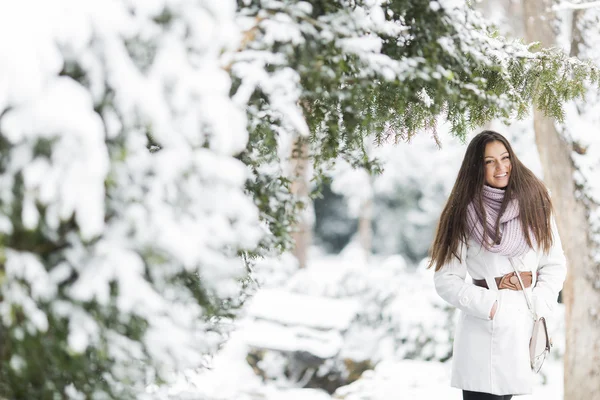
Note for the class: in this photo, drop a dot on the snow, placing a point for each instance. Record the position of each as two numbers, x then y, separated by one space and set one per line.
425 380
566 5
297 309
85 168
271 336
582 118
406 205
79 92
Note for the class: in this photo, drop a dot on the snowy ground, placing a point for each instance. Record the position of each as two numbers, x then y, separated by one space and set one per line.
425 380
232 379
279 317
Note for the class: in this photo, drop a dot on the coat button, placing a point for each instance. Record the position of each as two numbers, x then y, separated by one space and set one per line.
514 279
464 301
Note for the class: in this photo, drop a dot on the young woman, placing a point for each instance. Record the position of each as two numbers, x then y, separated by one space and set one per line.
497 211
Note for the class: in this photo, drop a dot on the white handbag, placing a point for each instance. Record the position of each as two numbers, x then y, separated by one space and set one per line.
540 343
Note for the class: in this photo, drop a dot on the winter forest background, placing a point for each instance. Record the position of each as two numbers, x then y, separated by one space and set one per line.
234 200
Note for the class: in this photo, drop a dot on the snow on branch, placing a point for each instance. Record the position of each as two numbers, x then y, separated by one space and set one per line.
575 6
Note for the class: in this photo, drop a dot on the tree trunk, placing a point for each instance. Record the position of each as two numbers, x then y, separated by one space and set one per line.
302 235
365 229
576 33
505 14
582 353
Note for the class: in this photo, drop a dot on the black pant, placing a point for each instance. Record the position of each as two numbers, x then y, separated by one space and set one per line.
484 396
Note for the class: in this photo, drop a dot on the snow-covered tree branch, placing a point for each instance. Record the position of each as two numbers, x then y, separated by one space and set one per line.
565 5
115 259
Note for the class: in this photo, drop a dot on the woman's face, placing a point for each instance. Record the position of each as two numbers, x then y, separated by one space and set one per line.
497 165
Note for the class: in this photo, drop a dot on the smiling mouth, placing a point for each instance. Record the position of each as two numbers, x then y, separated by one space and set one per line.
504 175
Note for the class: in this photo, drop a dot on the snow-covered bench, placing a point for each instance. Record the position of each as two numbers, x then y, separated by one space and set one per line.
293 322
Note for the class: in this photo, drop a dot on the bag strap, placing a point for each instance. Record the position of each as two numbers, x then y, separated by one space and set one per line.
527 299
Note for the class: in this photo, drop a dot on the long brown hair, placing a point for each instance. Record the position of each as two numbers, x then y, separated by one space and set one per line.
535 206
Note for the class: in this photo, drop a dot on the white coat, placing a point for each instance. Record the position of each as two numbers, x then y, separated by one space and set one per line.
492 355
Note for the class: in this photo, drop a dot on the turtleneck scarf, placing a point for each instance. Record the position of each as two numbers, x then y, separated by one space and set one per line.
512 241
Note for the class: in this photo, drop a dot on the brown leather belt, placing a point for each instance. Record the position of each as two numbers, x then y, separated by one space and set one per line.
508 281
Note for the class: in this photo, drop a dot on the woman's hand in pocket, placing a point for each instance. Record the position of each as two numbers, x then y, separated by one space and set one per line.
494 308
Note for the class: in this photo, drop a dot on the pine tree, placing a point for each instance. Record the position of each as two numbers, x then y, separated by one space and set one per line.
123 208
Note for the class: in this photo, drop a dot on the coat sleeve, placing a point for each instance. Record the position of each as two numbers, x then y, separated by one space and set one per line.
551 274
450 284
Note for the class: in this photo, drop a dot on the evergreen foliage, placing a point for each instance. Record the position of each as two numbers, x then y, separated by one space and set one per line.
382 71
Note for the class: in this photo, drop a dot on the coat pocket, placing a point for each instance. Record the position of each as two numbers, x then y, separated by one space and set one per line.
499 307
512 309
